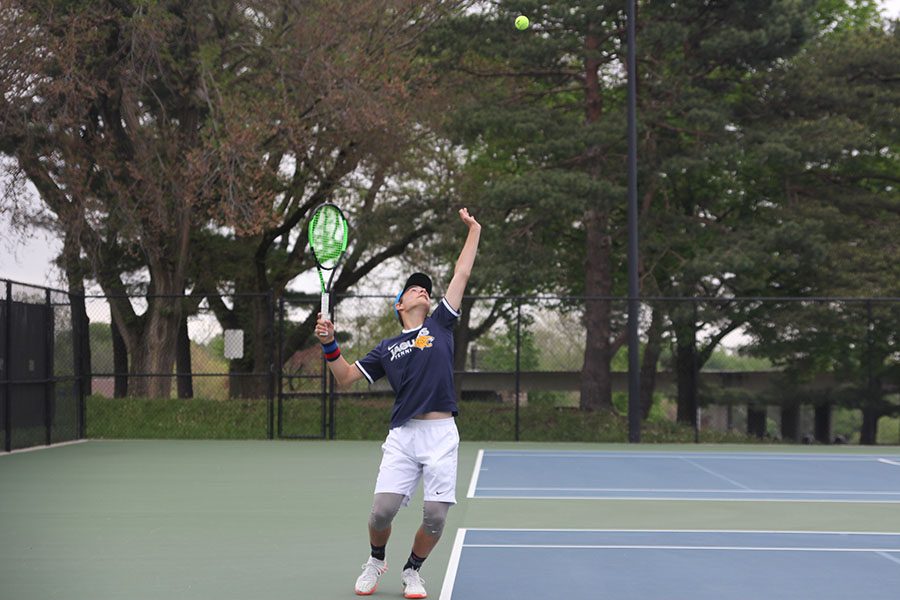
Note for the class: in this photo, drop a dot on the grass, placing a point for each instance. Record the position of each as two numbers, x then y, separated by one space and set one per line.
889 431
366 419
170 418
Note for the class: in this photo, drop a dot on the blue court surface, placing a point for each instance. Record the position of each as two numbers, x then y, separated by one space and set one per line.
672 565
687 476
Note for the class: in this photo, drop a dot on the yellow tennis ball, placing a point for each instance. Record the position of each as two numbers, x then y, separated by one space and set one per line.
521 22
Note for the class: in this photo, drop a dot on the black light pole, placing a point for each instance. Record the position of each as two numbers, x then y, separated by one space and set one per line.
634 306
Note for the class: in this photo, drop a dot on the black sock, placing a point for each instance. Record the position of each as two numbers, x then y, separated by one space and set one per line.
378 552
414 562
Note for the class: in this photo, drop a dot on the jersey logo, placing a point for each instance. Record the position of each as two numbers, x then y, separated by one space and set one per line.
422 341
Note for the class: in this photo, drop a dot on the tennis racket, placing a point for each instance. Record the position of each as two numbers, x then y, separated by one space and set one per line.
327 240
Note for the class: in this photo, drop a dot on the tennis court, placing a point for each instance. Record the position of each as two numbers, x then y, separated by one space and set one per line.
693 565
749 476
287 519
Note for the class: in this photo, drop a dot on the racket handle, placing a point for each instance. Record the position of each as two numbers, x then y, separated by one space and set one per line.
325 306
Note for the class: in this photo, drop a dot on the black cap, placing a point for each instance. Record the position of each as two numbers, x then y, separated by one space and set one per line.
416 279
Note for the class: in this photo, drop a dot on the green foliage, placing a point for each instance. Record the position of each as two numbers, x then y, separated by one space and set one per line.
889 431
101 348
216 347
366 419
499 353
728 361
142 418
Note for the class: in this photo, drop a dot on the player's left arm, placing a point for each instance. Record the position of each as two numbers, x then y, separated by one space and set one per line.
464 263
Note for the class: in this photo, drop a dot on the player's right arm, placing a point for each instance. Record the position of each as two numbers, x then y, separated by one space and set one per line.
344 373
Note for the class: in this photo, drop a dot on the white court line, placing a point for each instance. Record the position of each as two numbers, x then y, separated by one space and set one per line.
691 491
714 474
729 531
697 499
473 483
650 547
694 455
36 448
453 565
889 557
889 462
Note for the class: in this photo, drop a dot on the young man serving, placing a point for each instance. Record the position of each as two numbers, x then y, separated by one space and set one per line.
423 441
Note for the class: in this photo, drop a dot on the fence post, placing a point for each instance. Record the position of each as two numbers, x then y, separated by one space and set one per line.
695 375
273 372
7 370
869 431
48 369
280 354
331 383
518 359
79 331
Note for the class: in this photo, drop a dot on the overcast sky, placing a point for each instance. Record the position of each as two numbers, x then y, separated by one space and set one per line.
28 258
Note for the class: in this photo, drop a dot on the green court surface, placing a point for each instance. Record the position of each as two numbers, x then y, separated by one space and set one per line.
261 519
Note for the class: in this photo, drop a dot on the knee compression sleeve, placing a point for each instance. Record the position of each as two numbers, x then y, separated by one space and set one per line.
434 516
384 509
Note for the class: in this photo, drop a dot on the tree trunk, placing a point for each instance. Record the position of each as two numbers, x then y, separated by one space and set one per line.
596 376
153 353
461 336
790 423
649 361
823 423
120 361
81 324
183 362
756 421
686 364
248 376
869 432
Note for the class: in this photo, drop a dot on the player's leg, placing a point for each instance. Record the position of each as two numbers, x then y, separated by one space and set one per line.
434 516
398 476
440 439
384 509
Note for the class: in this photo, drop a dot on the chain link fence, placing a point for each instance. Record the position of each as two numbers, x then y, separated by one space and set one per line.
753 369
220 379
40 370
527 368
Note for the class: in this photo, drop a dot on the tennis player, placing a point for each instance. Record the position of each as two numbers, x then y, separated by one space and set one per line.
423 440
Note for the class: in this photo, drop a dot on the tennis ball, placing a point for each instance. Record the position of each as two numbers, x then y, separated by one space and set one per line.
521 22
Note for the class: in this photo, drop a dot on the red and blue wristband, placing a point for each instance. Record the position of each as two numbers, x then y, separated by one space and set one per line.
331 350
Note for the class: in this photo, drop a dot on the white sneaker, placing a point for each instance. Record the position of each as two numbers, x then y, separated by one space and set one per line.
368 581
413 584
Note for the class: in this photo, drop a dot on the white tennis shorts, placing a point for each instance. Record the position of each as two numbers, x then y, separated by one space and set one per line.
423 449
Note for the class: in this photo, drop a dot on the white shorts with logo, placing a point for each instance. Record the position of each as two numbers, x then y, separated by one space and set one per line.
423 449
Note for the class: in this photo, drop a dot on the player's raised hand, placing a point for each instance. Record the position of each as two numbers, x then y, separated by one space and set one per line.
468 219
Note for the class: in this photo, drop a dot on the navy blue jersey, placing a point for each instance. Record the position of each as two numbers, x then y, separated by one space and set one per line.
419 366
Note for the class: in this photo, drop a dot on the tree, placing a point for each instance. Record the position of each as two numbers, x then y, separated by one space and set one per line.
160 133
103 109
354 127
833 114
711 220
547 140
547 119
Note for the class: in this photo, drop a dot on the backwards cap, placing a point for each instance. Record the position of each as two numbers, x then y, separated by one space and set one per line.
416 279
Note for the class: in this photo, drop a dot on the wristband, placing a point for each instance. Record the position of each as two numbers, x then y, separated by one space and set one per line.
331 350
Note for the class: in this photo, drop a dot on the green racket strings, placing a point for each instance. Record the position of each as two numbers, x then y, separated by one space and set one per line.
328 236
